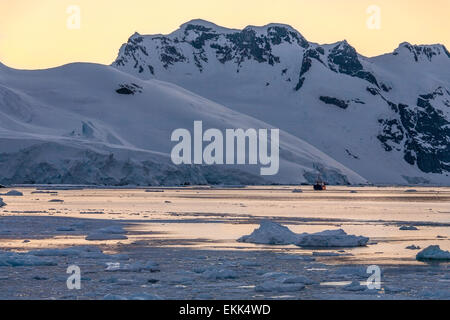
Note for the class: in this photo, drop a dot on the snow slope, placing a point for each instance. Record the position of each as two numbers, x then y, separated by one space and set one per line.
71 125
387 118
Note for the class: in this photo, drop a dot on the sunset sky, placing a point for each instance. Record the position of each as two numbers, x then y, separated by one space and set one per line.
34 33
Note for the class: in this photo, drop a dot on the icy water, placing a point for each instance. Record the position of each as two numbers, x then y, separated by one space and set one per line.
204 223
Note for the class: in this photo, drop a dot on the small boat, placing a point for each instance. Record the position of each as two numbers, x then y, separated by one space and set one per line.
320 185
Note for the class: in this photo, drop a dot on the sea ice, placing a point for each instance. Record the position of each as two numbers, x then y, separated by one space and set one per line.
331 238
218 274
2 204
13 193
433 253
279 286
133 267
408 228
12 259
108 233
270 232
355 286
299 279
273 233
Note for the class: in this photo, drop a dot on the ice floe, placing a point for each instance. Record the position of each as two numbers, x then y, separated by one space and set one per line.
408 228
138 266
355 286
219 274
108 233
13 259
299 279
270 232
279 286
433 253
13 193
2 204
331 238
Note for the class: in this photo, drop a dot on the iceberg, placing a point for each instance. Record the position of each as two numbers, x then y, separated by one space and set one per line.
270 232
433 253
331 238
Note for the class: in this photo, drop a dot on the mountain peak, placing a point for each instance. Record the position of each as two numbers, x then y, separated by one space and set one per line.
422 51
204 25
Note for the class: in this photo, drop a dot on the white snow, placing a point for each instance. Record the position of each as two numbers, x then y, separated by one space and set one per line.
433 253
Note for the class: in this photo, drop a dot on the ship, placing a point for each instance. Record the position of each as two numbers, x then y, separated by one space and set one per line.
320 185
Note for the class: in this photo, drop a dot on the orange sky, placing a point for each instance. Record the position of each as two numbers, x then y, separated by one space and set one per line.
34 33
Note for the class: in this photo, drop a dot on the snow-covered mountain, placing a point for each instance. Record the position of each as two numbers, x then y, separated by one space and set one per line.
93 124
387 117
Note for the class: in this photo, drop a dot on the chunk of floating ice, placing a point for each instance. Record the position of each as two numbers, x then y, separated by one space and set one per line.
218 274
350 272
13 193
275 275
279 286
331 238
113 230
355 286
133 267
299 279
408 228
413 247
270 232
12 259
433 253
87 252
2 204
105 236
108 233
326 254
273 233
411 191
297 191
